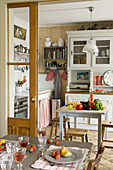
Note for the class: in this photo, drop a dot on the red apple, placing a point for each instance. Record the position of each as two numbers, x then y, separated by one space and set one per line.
79 106
97 89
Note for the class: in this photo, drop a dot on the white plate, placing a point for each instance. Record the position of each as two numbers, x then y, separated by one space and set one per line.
108 77
76 155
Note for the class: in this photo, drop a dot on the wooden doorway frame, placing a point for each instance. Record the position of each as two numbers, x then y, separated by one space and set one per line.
28 126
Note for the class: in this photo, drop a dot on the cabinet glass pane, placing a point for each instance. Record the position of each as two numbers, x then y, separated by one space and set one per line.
19 35
19 91
104 52
78 56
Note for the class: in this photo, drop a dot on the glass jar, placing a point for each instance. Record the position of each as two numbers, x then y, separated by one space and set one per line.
49 64
21 48
63 65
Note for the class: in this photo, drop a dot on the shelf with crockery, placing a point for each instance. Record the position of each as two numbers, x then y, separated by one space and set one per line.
55 57
77 57
103 58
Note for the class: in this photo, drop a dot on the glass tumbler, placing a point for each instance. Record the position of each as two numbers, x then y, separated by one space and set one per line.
42 139
6 162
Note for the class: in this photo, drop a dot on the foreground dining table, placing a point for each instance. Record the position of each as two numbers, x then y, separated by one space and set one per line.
32 157
64 111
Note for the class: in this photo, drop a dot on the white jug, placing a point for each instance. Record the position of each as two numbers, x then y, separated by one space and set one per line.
47 42
60 42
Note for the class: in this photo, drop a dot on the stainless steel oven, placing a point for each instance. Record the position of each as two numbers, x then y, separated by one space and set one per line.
21 107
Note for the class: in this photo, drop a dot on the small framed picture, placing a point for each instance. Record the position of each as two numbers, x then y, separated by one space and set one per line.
20 32
83 75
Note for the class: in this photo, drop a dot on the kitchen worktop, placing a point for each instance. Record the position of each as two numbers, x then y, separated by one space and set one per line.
42 91
22 94
87 92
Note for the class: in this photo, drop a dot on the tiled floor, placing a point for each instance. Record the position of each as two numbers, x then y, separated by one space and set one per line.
107 159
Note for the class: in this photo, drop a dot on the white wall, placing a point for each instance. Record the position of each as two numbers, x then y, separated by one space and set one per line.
43 84
24 24
3 69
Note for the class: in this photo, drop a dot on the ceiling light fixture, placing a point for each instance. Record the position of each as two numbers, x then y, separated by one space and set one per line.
90 46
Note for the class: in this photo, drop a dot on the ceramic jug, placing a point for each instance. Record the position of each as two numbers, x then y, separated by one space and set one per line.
60 42
47 42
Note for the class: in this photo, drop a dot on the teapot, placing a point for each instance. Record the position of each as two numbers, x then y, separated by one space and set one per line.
47 42
60 42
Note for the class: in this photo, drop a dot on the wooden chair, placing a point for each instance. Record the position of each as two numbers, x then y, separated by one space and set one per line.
94 164
78 133
56 122
106 124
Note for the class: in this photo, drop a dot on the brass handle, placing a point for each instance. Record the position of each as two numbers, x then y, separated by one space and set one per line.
33 99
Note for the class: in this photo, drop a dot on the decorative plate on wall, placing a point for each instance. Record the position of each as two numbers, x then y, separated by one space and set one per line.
108 77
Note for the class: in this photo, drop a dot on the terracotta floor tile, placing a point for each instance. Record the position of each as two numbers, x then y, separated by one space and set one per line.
101 167
108 156
111 160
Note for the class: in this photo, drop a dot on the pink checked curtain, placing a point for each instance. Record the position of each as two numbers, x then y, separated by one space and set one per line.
44 113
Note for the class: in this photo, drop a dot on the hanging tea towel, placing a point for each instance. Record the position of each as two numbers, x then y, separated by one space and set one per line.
64 75
50 76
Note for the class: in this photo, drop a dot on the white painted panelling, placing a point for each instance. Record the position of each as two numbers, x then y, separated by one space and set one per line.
43 84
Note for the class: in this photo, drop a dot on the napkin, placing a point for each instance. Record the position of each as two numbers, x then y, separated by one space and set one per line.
50 76
44 164
64 75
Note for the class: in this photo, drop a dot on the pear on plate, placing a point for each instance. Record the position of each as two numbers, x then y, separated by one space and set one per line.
65 152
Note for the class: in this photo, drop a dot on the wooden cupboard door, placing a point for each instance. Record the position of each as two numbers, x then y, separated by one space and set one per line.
22 69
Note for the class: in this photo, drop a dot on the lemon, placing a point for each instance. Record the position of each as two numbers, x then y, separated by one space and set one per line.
2 141
70 106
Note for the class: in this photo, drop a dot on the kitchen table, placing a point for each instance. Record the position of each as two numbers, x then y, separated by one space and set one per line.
63 111
34 155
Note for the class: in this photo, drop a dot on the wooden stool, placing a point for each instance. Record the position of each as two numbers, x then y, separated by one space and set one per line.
78 133
56 121
106 124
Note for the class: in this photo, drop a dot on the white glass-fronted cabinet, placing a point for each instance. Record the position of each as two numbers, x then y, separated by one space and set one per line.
104 57
77 58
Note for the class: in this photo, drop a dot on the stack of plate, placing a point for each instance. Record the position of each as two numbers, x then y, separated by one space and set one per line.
108 77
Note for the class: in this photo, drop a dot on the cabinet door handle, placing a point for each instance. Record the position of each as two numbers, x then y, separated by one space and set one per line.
71 52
